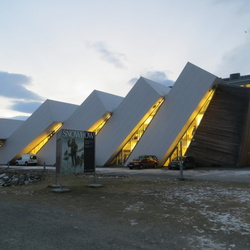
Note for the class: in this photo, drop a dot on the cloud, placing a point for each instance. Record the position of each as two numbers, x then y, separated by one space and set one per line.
13 86
236 61
25 107
157 76
238 2
240 6
133 80
107 55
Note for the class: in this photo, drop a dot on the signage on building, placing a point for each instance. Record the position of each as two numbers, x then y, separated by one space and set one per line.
75 151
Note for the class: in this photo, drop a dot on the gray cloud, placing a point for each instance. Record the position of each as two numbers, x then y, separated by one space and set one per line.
13 86
26 107
240 6
235 61
107 55
157 76
133 80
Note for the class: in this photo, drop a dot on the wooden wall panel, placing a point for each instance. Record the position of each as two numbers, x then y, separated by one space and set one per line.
218 139
245 151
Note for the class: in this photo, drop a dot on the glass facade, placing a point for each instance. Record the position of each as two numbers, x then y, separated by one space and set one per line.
36 149
186 139
101 124
124 153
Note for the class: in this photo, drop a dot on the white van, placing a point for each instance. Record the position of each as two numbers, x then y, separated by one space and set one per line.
27 159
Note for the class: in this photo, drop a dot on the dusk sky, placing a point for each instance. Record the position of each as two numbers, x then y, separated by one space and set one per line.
63 50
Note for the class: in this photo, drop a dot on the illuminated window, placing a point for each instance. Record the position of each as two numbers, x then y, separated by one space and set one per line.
1 142
99 125
38 147
186 139
245 85
124 153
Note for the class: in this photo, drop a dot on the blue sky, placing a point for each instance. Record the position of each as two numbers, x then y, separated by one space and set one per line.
63 50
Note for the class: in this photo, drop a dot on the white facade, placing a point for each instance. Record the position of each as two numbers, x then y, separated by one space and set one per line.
181 104
94 109
38 125
126 117
8 126
176 113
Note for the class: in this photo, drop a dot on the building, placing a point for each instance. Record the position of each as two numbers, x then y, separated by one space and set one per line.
34 133
7 127
237 79
201 115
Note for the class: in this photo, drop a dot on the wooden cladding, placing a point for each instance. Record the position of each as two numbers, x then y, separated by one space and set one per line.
220 138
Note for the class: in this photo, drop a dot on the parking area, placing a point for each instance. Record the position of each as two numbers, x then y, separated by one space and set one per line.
217 174
232 175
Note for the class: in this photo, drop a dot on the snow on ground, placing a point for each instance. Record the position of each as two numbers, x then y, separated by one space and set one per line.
203 242
222 211
135 207
230 221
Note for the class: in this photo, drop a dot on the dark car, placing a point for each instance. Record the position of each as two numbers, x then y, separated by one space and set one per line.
187 161
144 161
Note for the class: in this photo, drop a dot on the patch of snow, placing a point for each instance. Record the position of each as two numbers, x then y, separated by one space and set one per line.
135 207
198 230
205 200
133 222
205 243
227 222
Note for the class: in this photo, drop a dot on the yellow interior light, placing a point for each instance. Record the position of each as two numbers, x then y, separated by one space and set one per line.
186 139
134 137
45 139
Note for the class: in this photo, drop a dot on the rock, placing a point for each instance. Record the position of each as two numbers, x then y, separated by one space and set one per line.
15 178
6 177
2 175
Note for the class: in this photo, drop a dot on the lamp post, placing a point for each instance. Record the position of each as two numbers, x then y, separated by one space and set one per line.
181 164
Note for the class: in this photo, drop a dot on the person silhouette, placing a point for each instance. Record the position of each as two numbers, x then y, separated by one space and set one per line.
73 150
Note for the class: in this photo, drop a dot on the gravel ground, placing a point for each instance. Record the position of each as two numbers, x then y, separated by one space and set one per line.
127 212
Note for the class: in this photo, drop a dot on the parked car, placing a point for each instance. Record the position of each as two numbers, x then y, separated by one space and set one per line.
187 161
27 159
144 161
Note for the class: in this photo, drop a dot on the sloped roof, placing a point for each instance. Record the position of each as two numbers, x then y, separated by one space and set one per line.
58 111
95 106
109 101
39 123
171 120
128 114
158 87
8 126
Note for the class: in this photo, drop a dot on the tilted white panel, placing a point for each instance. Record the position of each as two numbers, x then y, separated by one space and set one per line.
38 123
8 126
95 107
128 114
169 123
